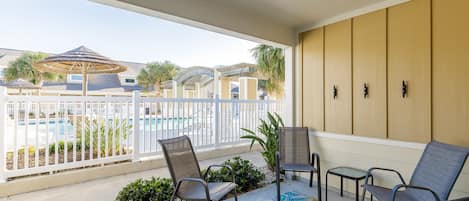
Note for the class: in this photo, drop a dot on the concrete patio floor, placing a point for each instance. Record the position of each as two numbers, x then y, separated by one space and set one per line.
106 189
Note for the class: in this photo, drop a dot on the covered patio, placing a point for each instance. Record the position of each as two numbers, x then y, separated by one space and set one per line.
106 189
374 81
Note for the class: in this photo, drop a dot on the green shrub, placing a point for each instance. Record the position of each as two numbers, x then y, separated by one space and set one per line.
61 147
155 189
113 133
247 175
91 129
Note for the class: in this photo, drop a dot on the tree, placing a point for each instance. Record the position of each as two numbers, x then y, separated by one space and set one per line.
154 74
22 68
271 63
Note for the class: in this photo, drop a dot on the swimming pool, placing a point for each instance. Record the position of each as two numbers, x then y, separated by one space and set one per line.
49 132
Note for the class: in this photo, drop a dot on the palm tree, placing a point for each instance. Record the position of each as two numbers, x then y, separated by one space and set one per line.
22 68
154 74
271 63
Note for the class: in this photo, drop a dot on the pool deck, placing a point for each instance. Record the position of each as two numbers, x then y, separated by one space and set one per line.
106 189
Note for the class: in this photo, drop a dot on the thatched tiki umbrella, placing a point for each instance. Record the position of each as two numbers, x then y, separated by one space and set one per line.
21 84
79 61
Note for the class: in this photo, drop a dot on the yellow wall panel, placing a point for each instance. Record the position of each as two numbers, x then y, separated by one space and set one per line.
369 67
409 59
451 71
313 79
338 73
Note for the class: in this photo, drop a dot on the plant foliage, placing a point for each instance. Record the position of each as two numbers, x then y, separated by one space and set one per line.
22 68
269 139
247 176
154 189
271 63
154 74
92 128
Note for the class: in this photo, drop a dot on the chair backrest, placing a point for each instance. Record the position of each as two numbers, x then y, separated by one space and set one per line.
180 158
438 169
294 145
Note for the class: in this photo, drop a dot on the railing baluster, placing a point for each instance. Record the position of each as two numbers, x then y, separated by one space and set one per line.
92 128
114 129
121 123
75 116
36 143
65 125
56 133
173 104
98 128
127 118
26 132
82 129
106 129
15 143
167 119
194 137
48 106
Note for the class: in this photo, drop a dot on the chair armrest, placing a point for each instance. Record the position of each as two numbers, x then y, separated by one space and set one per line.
462 199
315 157
277 160
370 171
193 180
221 166
396 189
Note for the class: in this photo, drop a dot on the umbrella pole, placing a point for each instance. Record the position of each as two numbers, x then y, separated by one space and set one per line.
85 84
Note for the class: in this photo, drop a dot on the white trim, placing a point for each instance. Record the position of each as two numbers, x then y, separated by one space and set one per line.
387 142
351 14
189 22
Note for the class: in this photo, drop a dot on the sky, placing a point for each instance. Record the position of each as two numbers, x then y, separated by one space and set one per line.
56 26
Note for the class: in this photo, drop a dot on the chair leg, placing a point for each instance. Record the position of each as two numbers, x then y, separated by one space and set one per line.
173 197
278 185
311 179
319 185
235 194
363 194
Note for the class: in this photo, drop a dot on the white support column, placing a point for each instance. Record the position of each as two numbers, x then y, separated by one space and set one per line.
3 131
290 99
136 125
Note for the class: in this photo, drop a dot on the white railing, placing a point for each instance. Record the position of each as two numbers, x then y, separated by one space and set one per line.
43 134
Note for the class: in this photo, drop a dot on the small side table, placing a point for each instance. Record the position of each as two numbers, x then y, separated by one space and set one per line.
348 173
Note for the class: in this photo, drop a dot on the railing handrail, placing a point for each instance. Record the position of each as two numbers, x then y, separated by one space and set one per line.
124 98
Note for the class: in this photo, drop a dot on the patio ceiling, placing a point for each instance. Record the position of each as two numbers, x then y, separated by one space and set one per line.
269 21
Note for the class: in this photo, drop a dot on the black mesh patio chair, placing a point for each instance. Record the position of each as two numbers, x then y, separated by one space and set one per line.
189 184
295 156
432 180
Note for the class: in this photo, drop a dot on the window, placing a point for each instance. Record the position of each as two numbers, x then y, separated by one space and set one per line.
130 81
1 72
76 77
